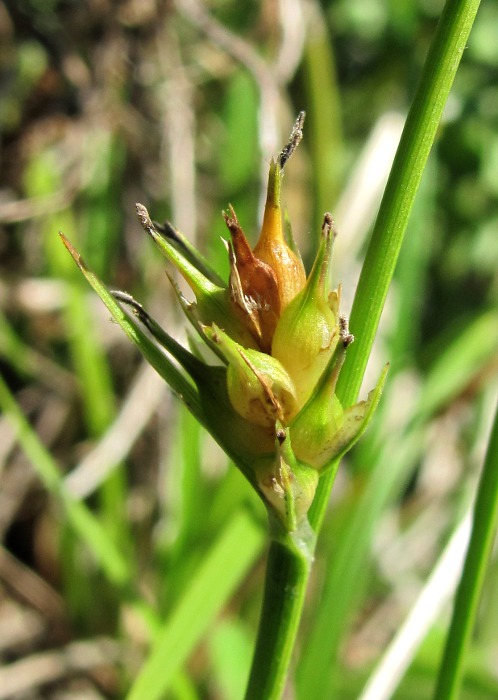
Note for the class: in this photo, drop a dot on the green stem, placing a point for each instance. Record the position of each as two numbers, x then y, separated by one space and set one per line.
285 587
288 570
484 528
413 151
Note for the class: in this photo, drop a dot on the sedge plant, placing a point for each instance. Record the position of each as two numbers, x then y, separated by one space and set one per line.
272 371
276 342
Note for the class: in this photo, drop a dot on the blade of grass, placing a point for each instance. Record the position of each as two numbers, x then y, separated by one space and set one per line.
30 363
485 522
230 647
182 688
113 563
117 568
44 175
100 217
465 356
185 485
223 568
413 151
345 578
185 503
436 591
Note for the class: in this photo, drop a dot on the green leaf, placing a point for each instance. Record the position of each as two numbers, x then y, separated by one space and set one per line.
485 522
239 544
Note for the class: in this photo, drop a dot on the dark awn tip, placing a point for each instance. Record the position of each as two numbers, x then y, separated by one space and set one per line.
328 225
346 337
294 140
145 220
231 220
281 435
168 230
137 308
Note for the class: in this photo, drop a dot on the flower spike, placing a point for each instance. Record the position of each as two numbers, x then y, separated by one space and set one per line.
267 392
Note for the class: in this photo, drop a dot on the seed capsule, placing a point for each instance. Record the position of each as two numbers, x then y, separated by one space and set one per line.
272 248
259 388
307 332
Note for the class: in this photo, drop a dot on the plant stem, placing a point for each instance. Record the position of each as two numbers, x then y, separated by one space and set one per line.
285 587
466 602
413 151
288 570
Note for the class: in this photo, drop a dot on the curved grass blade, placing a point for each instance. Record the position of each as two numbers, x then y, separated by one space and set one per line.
485 523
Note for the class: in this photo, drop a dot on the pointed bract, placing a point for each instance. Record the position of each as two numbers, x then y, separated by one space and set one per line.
323 431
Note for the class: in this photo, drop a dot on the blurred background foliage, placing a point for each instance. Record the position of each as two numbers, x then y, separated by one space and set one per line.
180 105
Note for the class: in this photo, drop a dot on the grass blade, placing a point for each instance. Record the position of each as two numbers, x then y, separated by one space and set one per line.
239 545
390 226
484 526
88 528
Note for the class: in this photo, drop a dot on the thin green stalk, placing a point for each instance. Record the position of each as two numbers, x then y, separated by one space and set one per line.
416 141
484 527
273 649
285 587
